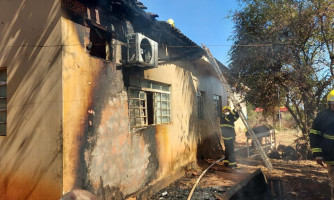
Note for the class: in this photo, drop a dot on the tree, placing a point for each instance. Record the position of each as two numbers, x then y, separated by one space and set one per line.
285 47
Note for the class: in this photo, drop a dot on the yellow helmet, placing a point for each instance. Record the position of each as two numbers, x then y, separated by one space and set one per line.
330 96
226 108
171 22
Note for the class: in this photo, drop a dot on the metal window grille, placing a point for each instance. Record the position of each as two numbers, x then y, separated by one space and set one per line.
3 101
142 108
138 108
162 108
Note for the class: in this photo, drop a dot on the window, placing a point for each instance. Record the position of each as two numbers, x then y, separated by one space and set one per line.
100 41
149 104
3 101
217 104
162 105
138 108
200 104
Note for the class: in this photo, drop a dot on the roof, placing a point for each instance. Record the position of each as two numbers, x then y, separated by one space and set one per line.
165 34
160 31
180 41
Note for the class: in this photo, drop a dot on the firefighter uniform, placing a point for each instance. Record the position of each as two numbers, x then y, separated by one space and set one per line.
322 138
228 133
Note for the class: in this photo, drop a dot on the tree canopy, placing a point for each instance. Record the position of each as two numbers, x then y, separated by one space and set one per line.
283 51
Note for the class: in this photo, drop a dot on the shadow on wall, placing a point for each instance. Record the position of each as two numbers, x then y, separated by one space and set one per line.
31 50
187 116
199 130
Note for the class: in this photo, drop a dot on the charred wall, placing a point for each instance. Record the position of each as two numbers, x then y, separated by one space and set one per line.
68 119
102 153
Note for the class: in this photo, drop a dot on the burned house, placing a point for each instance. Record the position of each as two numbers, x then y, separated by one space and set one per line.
100 96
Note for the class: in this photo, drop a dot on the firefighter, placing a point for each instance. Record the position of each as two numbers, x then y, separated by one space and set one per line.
322 139
227 119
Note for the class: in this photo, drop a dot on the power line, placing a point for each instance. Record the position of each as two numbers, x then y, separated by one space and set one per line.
169 46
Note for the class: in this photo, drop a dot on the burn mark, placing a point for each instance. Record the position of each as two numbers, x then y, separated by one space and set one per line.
153 165
107 192
104 88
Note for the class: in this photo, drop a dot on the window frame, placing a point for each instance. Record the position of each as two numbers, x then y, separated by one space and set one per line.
105 35
146 87
167 109
142 109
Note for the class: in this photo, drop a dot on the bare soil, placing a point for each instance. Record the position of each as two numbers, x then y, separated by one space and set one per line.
289 180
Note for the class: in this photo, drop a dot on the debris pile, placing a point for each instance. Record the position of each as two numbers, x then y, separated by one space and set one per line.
174 191
285 153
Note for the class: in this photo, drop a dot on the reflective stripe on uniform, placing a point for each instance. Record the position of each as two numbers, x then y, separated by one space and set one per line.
331 137
227 138
232 163
235 117
226 125
316 150
227 119
225 161
315 132
329 162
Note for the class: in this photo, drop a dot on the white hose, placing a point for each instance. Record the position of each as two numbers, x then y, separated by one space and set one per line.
199 178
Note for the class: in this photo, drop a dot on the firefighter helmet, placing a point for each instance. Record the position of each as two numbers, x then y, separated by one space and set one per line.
226 108
171 22
330 97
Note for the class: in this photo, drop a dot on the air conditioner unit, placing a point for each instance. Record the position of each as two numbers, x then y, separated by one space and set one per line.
142 51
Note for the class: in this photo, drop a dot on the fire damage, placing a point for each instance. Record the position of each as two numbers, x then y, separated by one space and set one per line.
131 109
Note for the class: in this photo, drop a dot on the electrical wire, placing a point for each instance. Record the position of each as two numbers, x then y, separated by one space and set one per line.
168 46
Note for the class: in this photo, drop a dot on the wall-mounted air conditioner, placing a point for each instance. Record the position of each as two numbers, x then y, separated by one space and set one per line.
142 51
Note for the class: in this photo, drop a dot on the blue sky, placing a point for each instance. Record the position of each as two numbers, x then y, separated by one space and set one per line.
203 21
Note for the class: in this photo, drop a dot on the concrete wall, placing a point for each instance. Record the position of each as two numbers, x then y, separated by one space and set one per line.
97 141
180 140
30 48
210 84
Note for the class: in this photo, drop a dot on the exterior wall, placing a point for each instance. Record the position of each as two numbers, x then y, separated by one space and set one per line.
31 152
101 153
179 140
211 85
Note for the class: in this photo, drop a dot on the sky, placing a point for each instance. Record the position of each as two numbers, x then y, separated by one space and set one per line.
202 21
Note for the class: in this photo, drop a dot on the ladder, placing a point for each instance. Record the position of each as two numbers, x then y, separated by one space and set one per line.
236 105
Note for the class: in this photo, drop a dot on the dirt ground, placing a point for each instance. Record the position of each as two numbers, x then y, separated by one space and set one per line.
289 180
